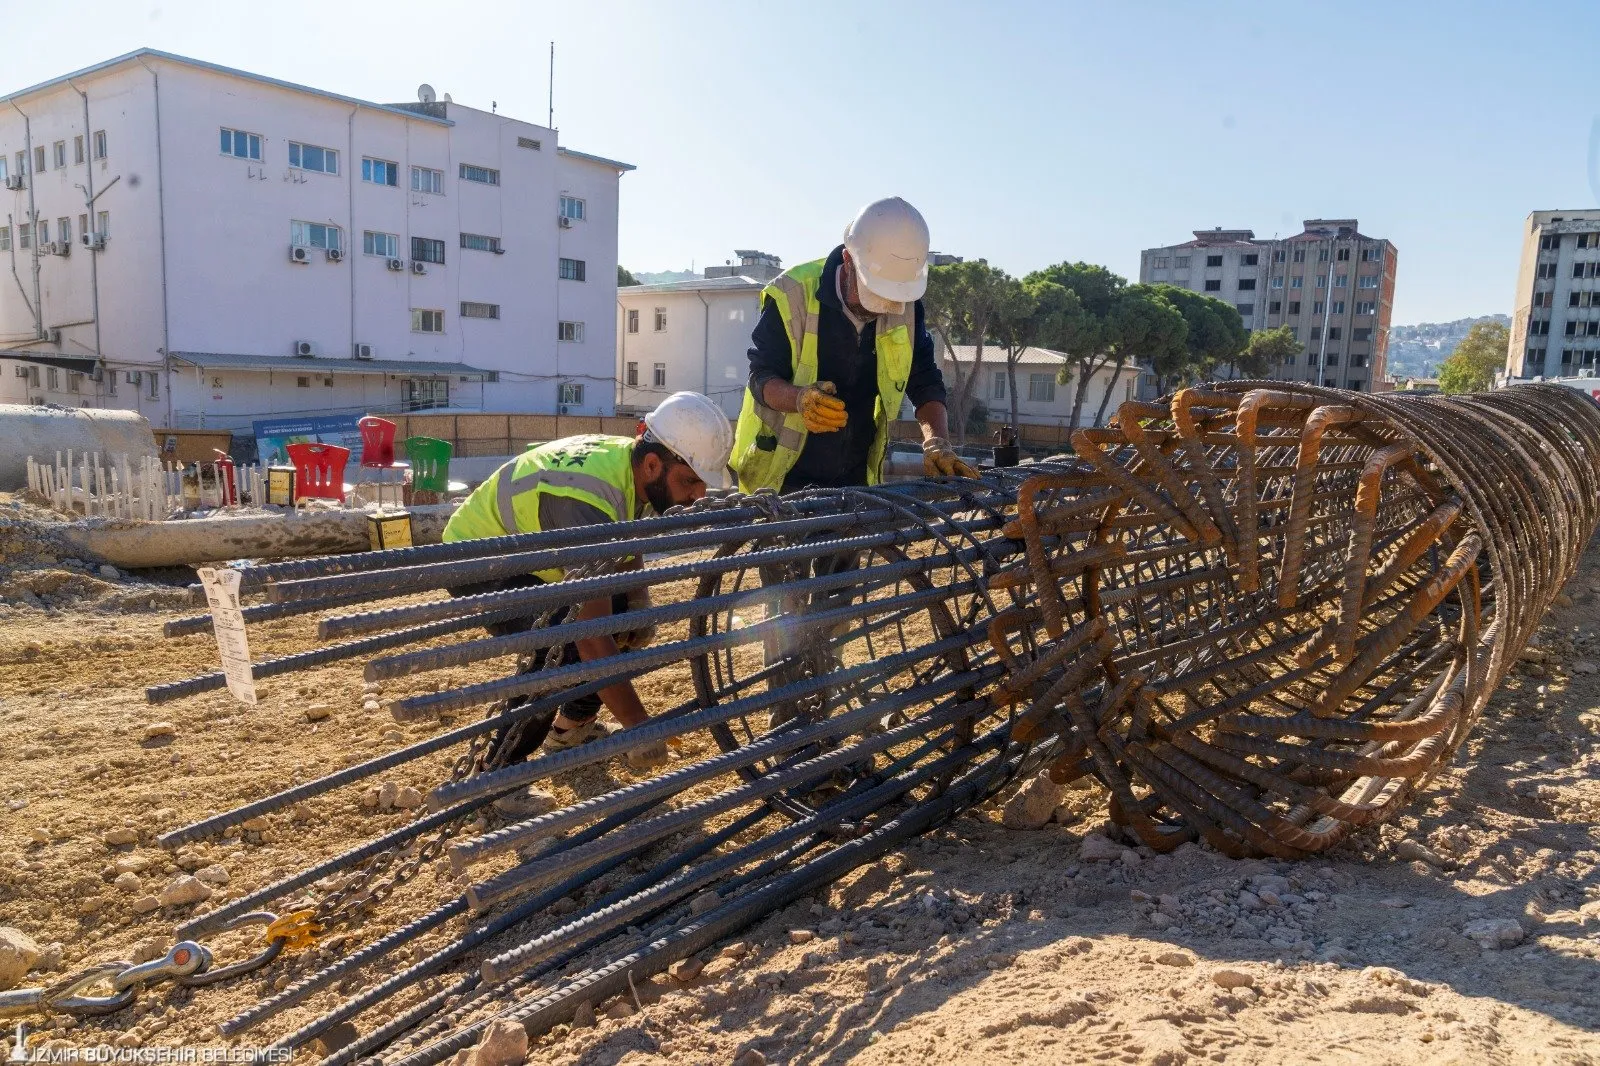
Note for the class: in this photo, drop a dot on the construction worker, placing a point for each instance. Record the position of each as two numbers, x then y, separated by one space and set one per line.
840 342
681 451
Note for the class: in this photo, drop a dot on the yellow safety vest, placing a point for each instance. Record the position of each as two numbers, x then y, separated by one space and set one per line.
767 443
595 469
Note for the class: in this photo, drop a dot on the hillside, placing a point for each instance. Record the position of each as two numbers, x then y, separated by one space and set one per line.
1417 351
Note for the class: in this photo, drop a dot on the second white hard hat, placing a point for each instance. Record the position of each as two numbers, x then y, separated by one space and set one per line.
888 240
697 431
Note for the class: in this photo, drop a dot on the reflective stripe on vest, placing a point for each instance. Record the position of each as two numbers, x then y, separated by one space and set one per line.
509 488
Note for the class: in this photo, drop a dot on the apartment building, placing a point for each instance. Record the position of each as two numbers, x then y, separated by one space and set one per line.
1330 284
1555 331
207 246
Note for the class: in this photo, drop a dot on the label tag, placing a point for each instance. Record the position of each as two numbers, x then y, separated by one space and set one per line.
227 621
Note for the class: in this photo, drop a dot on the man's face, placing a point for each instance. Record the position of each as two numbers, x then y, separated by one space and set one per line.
863 303
670 484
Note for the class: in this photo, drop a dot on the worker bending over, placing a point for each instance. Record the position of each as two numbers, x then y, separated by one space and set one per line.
841 341
577 481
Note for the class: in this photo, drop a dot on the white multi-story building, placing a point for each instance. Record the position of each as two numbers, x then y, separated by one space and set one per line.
209 246
1558 298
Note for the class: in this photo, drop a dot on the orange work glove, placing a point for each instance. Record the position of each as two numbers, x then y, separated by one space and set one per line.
940 459
822 410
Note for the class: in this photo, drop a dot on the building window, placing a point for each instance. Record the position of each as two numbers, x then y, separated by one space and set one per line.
1161 262
419 394
1318 307
83 224
477 242
380 172
314 235
74 381
1367 281
1338 307
427 250
661 320
386 245
1322 255
311 157
1294 307
1333 358
1366 307
153 382
1344 255
571 394
1182 262
572 207
1294 331
44 232
469 309
52 379
631 377
570 331
64 230
103 224
111 382
997 385
1577 270
24 235
1371 255
633 320
1277 255
1341 280
1277 282
424 179
38 160
1361 333
481 175
659 375
303 381
1041 388
1297 283
1245 310
1214 285
99 144
22 164
1247 284
5 239
77 149
1288 360
1316 333
1299 255
241 145
1547 270
573 270
1335 332
60 149
1213 260
1275 307
1249 260
426 321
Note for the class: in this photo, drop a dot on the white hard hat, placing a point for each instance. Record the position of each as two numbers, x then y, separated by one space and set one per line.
889 243
698 433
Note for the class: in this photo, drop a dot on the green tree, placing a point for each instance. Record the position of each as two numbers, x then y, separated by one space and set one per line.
1088 342
1216 335
1268 348
1033 313
1143 324
961 304
625 276
1471 367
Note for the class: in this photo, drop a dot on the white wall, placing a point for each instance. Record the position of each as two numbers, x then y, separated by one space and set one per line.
719 369
1057 412
231 287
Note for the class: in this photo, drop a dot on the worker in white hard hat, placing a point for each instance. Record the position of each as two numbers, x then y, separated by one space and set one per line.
681 451
841 341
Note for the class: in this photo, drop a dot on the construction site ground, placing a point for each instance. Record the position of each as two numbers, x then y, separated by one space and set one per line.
975 944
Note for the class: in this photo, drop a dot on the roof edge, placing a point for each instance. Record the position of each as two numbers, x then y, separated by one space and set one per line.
618 164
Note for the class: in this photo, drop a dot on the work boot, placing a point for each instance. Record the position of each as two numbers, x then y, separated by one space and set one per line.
559 739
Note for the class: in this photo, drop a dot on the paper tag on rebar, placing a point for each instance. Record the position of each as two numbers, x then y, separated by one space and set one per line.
227 621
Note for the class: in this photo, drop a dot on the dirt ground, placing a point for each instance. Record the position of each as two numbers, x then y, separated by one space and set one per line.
976 944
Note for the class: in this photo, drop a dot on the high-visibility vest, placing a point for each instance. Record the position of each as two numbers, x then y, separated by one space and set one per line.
595 469
767 443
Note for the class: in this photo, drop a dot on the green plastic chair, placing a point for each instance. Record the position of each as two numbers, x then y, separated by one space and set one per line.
430 463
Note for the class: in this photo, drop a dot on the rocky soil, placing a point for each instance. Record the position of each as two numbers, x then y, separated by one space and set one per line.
1466 932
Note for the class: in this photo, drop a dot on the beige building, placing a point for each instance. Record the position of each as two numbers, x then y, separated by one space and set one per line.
1041 399
1330 284
1555 331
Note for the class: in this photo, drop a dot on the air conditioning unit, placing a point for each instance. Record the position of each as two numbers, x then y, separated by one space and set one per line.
362 351
564 221
14 182
52 336
397 264
419 267
298 254
334 255
21 371
1586 373
47 247
95 242
561 409
303 349
61 248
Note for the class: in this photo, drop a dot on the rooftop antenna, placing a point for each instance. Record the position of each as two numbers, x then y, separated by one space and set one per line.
550 120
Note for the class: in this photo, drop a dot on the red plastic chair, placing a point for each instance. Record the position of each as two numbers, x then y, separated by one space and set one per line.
318 470
377 441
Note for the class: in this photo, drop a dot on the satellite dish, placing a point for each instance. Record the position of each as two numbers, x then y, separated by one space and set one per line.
426 94
448 99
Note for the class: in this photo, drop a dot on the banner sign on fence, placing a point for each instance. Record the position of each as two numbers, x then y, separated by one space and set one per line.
227 621
273 436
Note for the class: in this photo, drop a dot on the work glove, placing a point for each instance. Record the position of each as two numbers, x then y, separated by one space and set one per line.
939 458
634 639
822 411
648 757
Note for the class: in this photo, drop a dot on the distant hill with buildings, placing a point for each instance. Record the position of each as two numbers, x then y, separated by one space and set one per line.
1417 351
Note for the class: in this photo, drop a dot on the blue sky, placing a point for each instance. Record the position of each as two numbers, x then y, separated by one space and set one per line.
1027 133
